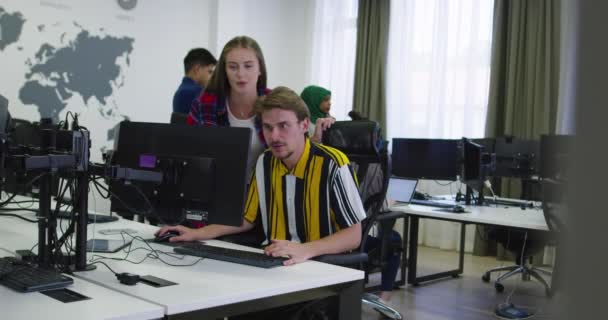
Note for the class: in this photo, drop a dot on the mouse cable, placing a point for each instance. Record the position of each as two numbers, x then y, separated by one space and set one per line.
152 254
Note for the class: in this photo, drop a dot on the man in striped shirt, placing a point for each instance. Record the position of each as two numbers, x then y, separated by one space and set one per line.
304 194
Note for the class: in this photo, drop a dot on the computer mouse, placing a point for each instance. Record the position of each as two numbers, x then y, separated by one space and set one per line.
166 236
458 209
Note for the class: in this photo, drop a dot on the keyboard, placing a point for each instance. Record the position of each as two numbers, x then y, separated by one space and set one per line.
23 277
91 217
432 203
249 258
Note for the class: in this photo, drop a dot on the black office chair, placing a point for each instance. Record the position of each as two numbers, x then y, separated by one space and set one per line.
362 143
178 118
524 245
555 211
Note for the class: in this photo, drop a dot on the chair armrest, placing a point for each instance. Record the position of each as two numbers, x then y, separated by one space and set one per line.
391 215
343 259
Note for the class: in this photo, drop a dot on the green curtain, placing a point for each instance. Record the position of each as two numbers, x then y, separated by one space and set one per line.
369 96
524 74
524 78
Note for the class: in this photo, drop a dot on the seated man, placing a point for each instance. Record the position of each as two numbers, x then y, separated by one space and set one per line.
302 193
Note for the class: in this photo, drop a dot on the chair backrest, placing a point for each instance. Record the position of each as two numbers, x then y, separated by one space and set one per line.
554 204
178 118
362 143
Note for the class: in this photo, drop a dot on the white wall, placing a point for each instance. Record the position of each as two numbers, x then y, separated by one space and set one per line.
283 29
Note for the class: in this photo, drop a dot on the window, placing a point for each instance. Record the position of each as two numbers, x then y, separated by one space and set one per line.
438 68
334 49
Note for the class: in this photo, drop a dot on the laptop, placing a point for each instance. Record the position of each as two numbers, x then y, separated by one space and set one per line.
401 190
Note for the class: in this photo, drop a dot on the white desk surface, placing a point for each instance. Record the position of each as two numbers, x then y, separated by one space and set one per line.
104 304
529 218
209 283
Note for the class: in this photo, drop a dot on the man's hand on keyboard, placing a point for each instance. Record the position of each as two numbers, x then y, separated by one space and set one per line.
297 252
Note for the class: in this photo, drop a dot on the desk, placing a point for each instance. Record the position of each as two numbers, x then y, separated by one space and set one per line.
210 289
513 217
103 304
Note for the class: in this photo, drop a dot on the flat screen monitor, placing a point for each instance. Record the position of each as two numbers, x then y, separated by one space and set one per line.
27 138
472 170
435 159
516 157
204 172
5 116
554 156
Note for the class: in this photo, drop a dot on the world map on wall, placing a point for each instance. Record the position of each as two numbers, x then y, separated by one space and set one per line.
84 65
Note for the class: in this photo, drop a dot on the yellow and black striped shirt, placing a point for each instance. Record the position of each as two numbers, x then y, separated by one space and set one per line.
318 197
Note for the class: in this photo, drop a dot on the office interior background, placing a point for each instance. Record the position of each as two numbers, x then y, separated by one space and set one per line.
436 83
437 66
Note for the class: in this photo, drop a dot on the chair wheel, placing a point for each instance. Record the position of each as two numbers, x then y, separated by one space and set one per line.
485 277
499 287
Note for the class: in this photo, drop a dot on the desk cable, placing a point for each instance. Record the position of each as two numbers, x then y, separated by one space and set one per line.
507 302
127 278
488 184
152 254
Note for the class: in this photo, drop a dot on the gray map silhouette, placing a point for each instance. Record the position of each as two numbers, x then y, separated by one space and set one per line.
11 25
87 66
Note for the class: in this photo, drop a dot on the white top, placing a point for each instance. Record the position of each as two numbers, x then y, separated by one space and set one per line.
255 145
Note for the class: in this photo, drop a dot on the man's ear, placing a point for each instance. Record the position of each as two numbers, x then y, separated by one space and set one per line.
305 124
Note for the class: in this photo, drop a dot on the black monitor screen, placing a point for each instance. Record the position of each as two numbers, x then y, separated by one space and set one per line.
5 116
516 157
27 138
554 156
425 158
204 172
471 162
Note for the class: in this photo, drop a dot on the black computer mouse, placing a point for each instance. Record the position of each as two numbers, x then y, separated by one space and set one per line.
458 209
166 236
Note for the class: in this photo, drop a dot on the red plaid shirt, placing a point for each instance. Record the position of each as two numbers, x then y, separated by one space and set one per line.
210 110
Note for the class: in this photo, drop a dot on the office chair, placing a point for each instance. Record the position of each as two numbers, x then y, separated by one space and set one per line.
524 244
555 211
178 118
361 142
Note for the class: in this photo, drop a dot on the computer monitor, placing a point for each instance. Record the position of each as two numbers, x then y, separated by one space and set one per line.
554 156
471 170
26 138
204 172
434 159
516 157
5 116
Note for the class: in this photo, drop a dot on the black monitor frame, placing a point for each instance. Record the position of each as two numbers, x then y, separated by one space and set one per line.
434 159
5 116
473 168
186 155
516 157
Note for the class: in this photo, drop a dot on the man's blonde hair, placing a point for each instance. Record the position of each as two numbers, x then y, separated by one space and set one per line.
282 98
